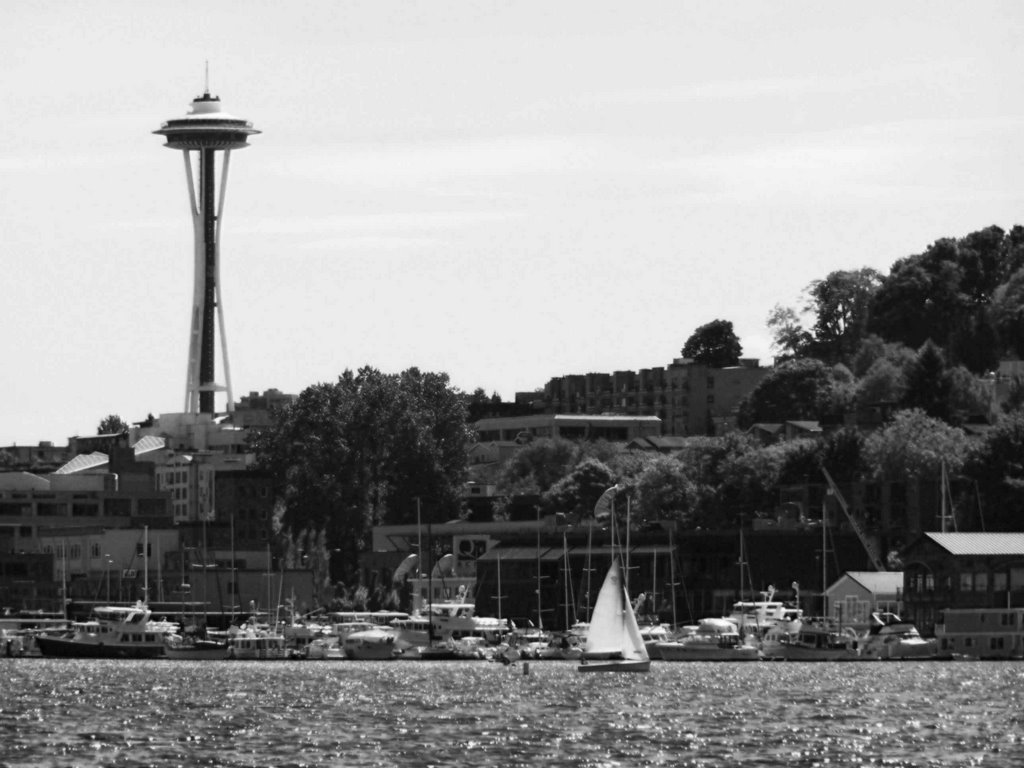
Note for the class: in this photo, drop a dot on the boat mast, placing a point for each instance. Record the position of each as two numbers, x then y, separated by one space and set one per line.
565 579
159 574
499 587
540 615
672 575
64 577
419 541
824 558
590 552
234 578
626 576
145 564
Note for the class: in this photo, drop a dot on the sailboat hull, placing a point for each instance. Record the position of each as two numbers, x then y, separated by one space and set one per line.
616 665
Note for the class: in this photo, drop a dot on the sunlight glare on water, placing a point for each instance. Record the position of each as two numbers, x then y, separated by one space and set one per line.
56 712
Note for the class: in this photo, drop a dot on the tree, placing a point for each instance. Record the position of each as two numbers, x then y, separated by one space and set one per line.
883 383
996 468
1008 313
578 492
796 389
714 344
840 304
537 466
112 425
666 492
359 452
945 294
915 444
789 338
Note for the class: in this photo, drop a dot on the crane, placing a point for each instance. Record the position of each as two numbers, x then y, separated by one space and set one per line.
869 545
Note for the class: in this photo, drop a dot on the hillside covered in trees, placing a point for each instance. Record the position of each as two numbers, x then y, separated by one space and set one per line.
917 348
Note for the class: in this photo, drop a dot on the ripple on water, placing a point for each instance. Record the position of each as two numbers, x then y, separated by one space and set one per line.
161 713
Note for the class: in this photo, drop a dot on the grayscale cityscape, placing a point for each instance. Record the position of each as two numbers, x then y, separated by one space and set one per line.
564 339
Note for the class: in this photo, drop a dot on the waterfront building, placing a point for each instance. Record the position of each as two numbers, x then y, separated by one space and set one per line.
943 571
855 595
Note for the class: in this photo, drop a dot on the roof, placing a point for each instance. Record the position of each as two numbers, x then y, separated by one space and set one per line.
765 427
878 582
83 462
86 461
980 543
149 443
521 553
656 443
810 426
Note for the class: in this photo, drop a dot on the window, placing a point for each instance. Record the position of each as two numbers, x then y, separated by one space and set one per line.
1016 578
981 582
94 549
966 582
999 581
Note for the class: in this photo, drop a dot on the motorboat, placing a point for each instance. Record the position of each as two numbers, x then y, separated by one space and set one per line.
563 646
889 637
821 639
114 631
653 635
324 648
371 644
257 645
710 640
459 619
195 648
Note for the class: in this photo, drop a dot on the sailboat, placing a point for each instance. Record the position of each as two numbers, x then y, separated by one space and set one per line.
613 642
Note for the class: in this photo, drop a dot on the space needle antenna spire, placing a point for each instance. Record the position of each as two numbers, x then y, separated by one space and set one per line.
200 135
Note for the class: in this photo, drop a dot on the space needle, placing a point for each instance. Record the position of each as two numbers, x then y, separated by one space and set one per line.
206 130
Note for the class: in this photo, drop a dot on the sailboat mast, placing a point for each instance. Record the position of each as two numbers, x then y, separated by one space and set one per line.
159 573
565 578
625 579
590 551
64 578
654 581
942 496
499 587
234 579
145 564
430 585
672 575
419 541
824 558
540 614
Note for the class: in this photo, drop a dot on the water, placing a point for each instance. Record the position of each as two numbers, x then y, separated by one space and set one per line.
57 712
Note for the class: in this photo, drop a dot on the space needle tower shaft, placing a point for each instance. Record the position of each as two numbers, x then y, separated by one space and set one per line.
200 135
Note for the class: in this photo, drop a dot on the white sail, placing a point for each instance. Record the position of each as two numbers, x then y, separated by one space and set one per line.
613 631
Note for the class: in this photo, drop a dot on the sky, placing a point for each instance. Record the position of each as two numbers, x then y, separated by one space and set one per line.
501 191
